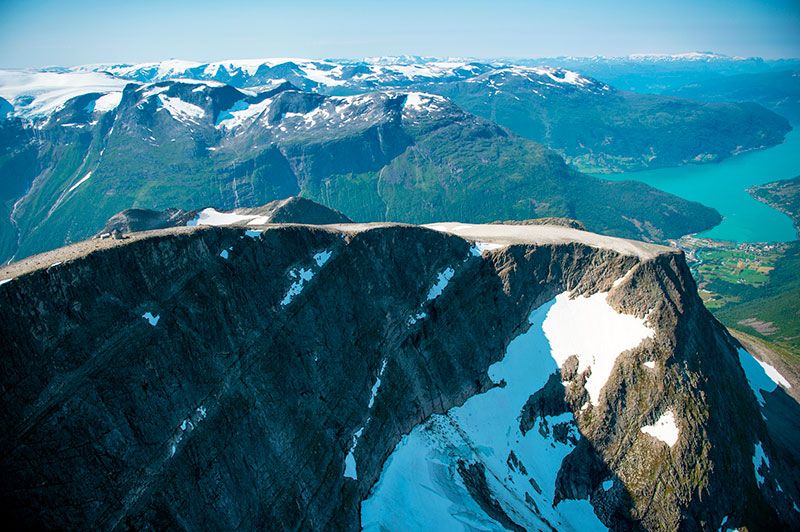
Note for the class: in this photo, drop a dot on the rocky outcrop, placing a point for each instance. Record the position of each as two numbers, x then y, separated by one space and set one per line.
290 210
298 210
131 220
214 377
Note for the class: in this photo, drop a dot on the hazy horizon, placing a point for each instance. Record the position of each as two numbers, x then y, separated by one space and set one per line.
49 33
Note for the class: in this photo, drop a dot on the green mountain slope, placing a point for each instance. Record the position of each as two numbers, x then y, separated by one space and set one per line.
378 156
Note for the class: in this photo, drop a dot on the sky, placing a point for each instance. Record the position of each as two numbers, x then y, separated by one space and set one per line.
36 33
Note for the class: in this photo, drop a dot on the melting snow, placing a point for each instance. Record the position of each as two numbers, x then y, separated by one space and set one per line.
419 101
664 429
224 253
322 257
608 484
759 459
303 276
241 112
350 459
761 376
187 425
80 181
443 278
416 317
377 385
212 216
594 318
420 485
180 110
152 320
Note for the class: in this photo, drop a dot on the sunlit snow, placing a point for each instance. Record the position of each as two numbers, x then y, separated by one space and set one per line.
49 91
212 216
180 110
79 182
664 429
420 485
107 102
594 318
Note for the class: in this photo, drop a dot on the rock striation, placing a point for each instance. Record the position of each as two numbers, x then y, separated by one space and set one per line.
260 376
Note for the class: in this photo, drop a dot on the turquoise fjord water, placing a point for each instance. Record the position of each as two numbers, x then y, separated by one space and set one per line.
724 187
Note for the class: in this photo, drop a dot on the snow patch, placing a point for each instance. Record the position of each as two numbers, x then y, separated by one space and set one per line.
420 485
151 319
488 246
350 459
416 317
664 429
80 181
761 376
443 278
302 276
180 110
107 102
594 318
650 364
186 426
4 281
759 459
212 216
322 257
377 385
240 113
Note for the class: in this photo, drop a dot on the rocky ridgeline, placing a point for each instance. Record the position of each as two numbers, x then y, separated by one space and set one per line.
215 377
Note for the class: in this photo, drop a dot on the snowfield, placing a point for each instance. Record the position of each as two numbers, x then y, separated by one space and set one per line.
38 94
420 485
594 318
761 376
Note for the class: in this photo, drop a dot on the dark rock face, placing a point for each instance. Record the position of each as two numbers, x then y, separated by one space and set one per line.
298 211
131 220
170 381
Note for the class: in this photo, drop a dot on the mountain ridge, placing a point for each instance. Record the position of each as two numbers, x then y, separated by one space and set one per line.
264 335
408 157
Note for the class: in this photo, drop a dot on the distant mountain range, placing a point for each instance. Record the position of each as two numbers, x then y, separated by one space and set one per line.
409 157
595 126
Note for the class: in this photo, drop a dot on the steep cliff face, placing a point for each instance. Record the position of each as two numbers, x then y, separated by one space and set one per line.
244 377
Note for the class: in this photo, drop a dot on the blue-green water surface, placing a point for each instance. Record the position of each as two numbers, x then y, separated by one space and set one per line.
724 186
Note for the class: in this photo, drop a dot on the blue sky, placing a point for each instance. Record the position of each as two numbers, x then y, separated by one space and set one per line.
69 32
